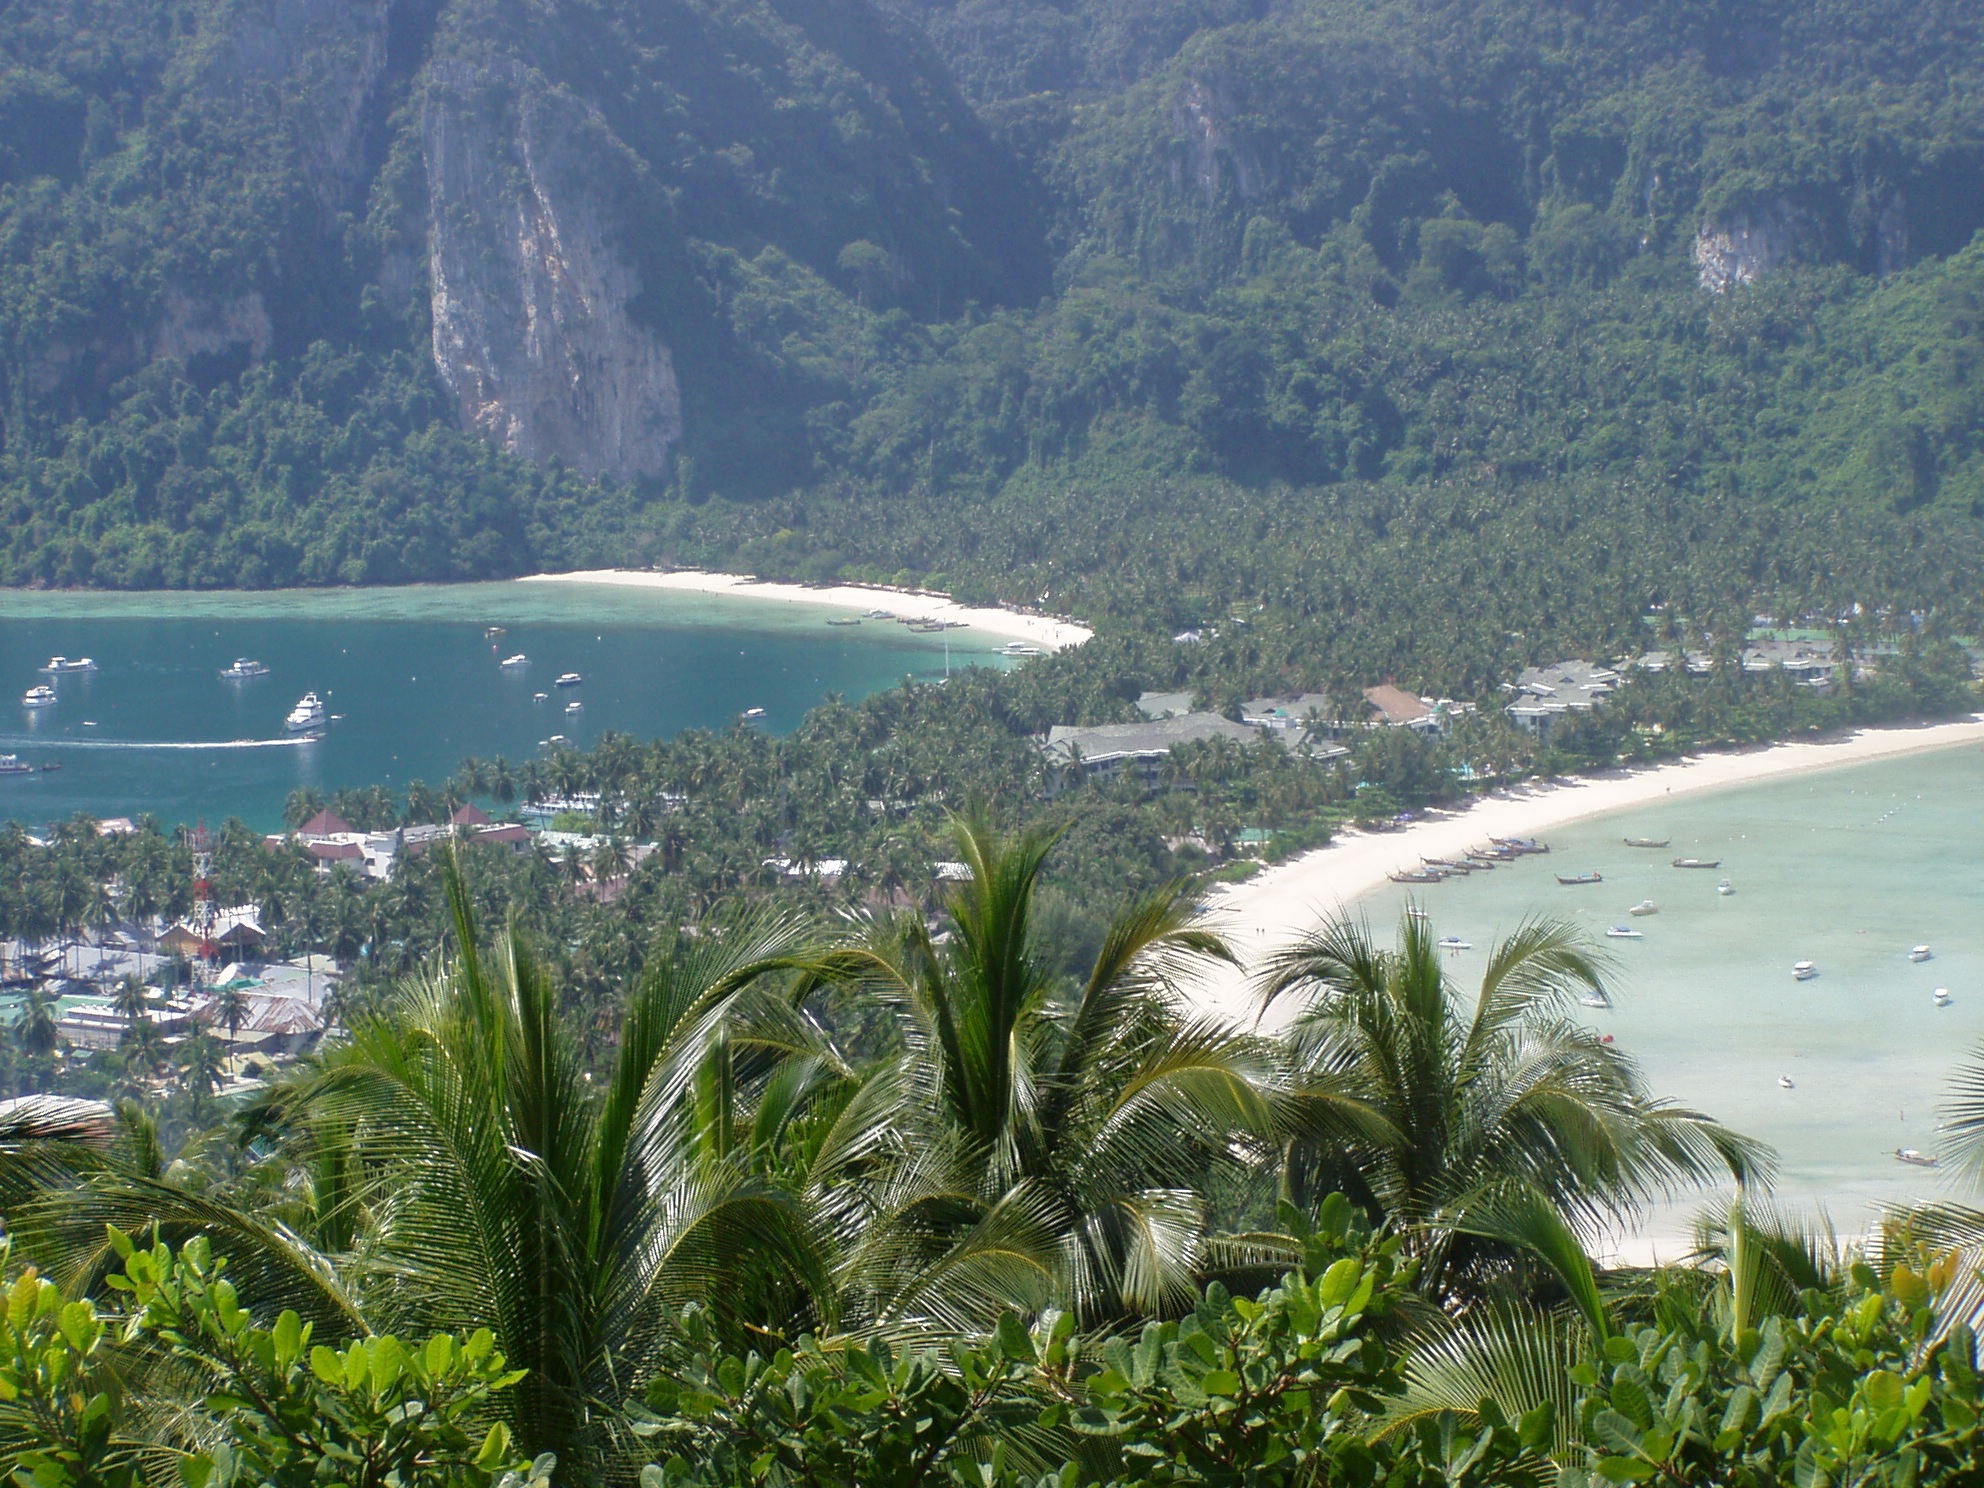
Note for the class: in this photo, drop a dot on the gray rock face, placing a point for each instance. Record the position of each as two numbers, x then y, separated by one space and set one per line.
532 330
1742 246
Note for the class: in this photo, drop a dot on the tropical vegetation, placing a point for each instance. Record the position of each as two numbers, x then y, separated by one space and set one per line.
855 1198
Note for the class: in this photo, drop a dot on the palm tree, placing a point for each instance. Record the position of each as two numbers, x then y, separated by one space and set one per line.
1476 1108
508 1195
230 1006
132 1002
1075 1126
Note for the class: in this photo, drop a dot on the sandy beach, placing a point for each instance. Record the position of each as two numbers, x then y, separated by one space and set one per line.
1267 910
1039 630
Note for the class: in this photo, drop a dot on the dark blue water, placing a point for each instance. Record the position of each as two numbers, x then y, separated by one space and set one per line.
417 684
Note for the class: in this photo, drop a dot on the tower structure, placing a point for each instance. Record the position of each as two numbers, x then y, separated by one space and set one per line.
204 916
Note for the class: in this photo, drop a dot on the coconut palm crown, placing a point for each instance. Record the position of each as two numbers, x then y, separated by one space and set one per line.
1486 1106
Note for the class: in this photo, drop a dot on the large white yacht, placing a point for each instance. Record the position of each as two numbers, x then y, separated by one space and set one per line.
55 666
244 666
39 696
513 662
306 716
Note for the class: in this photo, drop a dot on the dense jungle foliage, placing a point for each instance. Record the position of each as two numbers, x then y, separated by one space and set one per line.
1154 309
862 1202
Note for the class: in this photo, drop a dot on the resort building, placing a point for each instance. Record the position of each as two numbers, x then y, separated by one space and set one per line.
1110 750
1546 695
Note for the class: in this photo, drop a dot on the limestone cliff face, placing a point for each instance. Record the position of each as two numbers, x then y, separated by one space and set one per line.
1212 156
532 330
1742 246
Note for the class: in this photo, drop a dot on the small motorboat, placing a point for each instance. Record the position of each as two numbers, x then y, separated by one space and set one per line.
1914 1158
1644 907
1521 844
1649 841
1581 878
13 764
1725 887
56 666
538 697
307 716
845 620
1942 996
1803 971
38 696
1594 1001
243 668
1624 932
1785 1081
1416 876
1698 862
48 765
514 662
1454 943
575 706
878 615
1920 953
568 679
1414 912
754 714
1019 648
492 632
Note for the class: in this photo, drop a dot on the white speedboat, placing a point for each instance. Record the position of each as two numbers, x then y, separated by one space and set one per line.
754 714
575 706
39 696
307 716
1454 943
513 662
55 666
244 666
1803 971
1624 932
538 697
1725 887
1785 1081
568 679
1596 1002
1416 913
1020 648
1942 996
1920 953
1644 907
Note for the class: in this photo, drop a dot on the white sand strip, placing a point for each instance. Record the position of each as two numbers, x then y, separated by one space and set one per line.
1270 909
1044 631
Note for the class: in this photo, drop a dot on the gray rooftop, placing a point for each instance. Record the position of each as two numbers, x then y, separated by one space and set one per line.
1133 740
1164 704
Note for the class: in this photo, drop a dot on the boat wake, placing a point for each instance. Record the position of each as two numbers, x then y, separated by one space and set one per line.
30 741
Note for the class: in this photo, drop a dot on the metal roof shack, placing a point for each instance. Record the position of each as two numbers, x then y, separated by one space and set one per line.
1106 750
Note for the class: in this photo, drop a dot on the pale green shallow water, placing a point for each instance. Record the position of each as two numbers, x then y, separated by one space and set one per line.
1848 868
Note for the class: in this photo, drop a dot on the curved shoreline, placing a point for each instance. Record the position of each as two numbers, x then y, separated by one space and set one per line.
1264 912
1045 631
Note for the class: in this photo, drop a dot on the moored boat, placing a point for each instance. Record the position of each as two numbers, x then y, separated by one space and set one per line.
1624 932
1942 996
845 620
1649 841
1454 943
13 764
1581 878
1521 844
568 679
1415 876
575 706
1698 862
1913 1158
1803 971
38 696
513 662
244 667
1725 887
752 715
1593 1000
1644 907
55 666
1785 1081
307 716
1920 953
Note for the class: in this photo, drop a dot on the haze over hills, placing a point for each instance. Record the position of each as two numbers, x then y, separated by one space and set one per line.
1176 303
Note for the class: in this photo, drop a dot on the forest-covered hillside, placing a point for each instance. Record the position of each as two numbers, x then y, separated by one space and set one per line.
1153 306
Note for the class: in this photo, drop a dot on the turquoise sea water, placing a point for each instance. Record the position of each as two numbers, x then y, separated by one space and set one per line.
1846 867
418 685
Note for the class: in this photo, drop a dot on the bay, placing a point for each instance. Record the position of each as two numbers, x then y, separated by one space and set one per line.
1845 867
416 681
